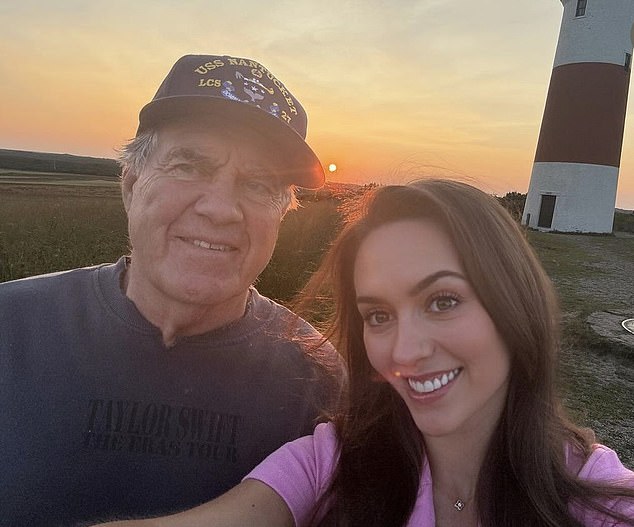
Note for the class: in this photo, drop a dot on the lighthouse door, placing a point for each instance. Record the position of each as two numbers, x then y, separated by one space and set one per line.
546 210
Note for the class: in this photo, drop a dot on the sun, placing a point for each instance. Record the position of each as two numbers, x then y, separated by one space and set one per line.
332 167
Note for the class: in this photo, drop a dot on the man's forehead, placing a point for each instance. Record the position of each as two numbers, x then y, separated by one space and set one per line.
210 159
212 141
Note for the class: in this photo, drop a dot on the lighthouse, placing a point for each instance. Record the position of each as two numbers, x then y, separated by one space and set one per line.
574 179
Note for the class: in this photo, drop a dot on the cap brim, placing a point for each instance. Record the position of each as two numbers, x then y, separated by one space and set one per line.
305 169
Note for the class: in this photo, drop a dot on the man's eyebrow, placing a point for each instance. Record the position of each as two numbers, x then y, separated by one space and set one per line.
184 153
418 287
256 170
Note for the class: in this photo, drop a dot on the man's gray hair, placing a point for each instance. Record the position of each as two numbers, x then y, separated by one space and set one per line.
135 153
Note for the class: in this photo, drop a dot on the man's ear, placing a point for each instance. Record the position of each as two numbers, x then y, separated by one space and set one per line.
128 179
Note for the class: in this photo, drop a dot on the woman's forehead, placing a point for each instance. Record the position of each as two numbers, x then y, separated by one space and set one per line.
404 251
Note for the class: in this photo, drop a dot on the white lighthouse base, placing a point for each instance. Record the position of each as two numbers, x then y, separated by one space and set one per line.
571 197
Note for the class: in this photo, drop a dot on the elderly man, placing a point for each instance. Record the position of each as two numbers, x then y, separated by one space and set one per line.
156 383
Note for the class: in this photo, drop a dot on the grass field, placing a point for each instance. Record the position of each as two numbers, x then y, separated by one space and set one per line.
46 228
53 179
51 228
594 274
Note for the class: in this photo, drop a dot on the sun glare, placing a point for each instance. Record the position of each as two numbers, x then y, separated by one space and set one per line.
332 167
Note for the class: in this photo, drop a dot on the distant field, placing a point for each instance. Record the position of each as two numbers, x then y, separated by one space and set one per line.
57 163
46 228
46 178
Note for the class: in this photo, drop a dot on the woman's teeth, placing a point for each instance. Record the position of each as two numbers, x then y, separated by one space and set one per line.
431 385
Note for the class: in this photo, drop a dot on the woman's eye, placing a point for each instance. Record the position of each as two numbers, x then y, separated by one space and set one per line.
377 318
443 303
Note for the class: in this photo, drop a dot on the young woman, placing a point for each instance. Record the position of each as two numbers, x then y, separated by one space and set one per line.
449 327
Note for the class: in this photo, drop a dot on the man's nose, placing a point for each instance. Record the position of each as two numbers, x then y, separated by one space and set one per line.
220 199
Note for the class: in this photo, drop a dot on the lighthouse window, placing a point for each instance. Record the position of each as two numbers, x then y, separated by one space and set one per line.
628 62
581 7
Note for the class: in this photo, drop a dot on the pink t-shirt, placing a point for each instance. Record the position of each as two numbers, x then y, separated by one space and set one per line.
300 472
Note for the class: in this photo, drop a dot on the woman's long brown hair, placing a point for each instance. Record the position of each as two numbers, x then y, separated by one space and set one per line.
524 480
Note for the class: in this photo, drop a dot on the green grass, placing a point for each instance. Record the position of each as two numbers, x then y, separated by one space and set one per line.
45 229
304 236
597 375
624 222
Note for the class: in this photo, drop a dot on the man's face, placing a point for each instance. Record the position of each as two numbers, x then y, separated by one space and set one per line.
203 214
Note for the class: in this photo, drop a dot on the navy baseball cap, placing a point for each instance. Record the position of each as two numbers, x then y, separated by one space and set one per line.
238 90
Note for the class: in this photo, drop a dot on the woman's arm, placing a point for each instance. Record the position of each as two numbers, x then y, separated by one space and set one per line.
299 471
250 503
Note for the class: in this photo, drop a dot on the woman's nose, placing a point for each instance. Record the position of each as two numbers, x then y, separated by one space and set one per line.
413 343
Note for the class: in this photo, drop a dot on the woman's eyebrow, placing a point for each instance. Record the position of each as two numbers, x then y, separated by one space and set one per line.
429 280
418 287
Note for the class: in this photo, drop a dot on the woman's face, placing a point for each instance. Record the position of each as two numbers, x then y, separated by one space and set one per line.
427 333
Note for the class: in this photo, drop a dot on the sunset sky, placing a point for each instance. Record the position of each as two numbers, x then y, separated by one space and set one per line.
393 89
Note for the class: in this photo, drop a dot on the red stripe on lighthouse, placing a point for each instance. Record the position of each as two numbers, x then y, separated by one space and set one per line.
584 116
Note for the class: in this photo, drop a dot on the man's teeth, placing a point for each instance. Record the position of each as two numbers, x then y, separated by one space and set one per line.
207 245
431 385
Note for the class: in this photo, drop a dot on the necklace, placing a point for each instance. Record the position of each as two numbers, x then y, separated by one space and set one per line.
459 504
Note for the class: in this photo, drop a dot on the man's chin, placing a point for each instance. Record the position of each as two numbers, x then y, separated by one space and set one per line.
205 291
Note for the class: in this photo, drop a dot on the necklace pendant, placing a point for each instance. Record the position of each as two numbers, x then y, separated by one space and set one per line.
459 504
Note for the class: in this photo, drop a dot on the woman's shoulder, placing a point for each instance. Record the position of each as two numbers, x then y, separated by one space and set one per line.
321 447
603 464
300 472
318 451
